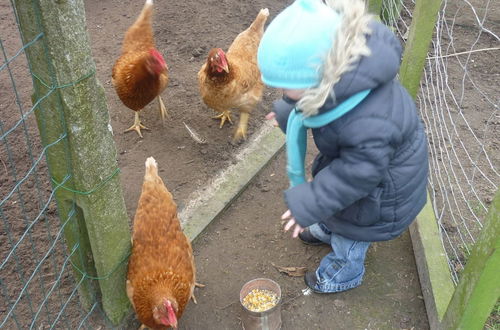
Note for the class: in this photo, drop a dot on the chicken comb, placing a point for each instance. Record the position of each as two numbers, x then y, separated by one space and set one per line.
157 55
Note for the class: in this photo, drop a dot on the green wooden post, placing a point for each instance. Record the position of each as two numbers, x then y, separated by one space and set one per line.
478 289
419 39
434 274
59 58
375 7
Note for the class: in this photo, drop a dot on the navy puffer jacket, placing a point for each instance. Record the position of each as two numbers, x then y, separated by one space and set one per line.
371 174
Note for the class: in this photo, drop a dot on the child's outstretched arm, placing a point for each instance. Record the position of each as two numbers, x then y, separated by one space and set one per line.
363 160
281 110
272 116
291 222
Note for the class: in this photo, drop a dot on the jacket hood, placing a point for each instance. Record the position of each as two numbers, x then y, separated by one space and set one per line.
365 55
381 66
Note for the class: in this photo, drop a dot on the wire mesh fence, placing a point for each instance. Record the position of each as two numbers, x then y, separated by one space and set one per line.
459 101
39 276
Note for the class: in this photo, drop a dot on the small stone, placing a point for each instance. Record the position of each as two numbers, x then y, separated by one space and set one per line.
404 322
339 303
198 52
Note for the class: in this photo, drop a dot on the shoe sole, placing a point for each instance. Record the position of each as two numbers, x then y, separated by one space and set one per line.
313 243
313 289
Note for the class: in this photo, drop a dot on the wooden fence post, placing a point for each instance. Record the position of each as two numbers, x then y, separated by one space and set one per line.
435 279
478 289
375 7
419 39
71 108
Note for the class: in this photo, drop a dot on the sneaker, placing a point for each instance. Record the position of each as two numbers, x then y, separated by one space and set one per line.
311 280
307 238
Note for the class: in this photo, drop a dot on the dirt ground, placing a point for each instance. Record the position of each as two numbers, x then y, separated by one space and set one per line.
240 245
248 240
185 31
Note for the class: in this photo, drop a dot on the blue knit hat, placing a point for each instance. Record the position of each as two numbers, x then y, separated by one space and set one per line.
293 48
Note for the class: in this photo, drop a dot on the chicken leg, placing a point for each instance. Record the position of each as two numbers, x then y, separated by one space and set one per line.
198 285
241 131
163 109
225 115
137 125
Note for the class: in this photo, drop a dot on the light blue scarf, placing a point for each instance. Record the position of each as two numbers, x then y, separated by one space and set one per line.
296 134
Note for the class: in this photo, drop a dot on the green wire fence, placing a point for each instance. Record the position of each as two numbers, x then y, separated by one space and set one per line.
64 235
456 237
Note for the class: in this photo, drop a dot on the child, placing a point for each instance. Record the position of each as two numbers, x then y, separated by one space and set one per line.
337 68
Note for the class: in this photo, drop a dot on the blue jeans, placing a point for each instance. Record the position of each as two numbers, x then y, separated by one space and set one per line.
344 267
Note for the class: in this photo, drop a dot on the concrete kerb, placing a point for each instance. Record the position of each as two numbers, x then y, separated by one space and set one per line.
433 271
208 202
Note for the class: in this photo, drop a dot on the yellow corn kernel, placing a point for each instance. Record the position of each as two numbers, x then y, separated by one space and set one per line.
259 300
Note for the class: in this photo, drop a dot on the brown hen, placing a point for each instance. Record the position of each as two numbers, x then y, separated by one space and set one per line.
161 270
140 74
232 80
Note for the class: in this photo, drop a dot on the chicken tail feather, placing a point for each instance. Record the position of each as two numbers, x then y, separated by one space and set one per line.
260 20
146 12
151 170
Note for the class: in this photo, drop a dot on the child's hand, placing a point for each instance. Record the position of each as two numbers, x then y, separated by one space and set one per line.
272 116
298 228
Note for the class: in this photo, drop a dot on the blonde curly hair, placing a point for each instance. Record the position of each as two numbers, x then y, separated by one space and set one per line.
348 47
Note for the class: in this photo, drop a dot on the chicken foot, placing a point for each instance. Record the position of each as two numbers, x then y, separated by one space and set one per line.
163 109
225 115
198 285
241 131
137 125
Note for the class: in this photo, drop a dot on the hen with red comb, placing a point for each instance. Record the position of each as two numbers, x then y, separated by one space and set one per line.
140 74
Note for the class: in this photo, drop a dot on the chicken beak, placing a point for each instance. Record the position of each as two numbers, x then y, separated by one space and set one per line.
225 67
